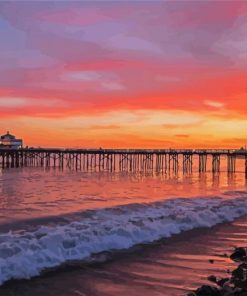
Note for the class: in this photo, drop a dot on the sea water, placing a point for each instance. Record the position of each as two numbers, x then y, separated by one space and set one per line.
50 217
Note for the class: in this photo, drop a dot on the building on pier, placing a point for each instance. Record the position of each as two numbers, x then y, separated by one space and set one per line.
9 141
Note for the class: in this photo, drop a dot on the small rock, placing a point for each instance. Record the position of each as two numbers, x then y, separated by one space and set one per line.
239 255
212 278
239 276
207 291
227 290
222 282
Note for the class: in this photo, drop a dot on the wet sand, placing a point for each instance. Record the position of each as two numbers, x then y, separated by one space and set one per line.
171 267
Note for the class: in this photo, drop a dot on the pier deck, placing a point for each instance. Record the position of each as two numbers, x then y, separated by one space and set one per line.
164 160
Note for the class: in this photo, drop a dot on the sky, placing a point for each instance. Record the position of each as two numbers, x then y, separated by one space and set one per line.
152 74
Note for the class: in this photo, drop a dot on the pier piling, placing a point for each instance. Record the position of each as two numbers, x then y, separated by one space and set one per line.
133 160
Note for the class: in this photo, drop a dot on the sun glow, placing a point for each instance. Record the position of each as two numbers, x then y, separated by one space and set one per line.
124 74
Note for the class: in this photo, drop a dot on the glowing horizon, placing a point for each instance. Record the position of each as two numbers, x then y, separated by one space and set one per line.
117 74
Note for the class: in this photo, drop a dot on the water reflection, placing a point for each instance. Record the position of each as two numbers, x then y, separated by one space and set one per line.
37 192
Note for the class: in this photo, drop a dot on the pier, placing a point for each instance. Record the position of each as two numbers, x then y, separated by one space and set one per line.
159 160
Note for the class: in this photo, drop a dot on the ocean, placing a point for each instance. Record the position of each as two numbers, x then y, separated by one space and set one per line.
68 232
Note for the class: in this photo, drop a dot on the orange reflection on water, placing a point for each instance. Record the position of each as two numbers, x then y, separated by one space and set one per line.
35 192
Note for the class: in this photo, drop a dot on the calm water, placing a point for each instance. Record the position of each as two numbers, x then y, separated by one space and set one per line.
35 192
52 217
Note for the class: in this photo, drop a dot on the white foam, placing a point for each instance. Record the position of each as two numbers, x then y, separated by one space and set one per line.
25 254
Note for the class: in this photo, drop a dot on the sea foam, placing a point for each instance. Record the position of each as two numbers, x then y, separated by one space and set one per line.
24 254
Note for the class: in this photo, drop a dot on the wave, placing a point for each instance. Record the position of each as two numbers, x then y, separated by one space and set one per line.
25 254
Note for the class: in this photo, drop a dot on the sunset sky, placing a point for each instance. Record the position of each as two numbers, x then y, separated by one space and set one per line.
124 74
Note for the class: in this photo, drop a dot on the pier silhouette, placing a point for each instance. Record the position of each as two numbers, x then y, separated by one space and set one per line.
160 160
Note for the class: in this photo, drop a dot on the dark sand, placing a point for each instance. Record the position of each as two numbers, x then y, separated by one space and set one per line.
171 267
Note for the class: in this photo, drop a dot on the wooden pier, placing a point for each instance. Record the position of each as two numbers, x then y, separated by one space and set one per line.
160 160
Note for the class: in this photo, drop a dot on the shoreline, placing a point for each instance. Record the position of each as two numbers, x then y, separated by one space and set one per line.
27 254
166 261
233 285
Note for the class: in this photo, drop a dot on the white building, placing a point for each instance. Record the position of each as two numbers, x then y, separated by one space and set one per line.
9 141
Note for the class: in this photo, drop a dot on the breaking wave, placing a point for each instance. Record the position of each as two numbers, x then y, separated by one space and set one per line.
24 254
